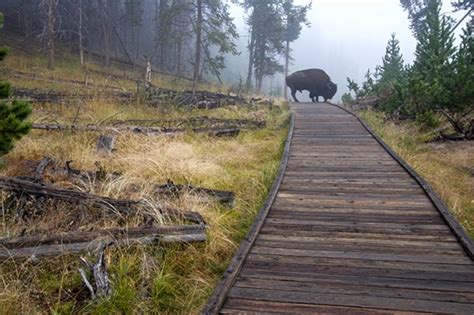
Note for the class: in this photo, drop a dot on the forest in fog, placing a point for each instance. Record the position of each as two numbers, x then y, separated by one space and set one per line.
182 37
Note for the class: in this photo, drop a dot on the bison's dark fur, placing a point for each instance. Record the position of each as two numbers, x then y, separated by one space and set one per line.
316 81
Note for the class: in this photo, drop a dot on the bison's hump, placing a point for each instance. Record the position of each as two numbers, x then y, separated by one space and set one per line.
308 79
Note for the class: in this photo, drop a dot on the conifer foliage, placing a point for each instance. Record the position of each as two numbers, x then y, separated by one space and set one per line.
440 83
12 113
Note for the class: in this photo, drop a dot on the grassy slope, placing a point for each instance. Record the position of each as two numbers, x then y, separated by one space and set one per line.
448 167
146 279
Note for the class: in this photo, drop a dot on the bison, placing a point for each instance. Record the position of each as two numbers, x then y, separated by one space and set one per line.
316 81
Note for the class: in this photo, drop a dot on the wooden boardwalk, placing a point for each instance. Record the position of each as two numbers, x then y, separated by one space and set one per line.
347 229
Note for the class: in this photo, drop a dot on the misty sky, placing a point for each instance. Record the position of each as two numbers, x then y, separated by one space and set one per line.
346 37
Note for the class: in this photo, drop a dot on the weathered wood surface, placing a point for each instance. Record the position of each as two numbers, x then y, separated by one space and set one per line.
37 247
352 230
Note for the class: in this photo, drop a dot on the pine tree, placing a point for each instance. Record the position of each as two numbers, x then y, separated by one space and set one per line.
459 111
432 73
392 79
215 29
392 67
267 31
12 114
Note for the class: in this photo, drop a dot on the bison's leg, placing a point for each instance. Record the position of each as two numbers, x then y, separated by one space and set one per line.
293 93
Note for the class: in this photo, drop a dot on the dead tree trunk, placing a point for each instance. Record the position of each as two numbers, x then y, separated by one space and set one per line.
81 48
197 59
248 83
51 32
287 64
107 50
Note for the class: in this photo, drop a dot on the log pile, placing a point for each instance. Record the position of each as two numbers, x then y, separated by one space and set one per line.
39 246
25 190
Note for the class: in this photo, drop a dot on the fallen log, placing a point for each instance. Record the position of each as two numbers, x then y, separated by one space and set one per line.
212 132
23 187
194 122
87 236
170 188
42 251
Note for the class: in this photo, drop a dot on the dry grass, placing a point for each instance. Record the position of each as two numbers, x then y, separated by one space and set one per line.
448 166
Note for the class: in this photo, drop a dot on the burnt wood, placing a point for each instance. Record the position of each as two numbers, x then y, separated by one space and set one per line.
349 228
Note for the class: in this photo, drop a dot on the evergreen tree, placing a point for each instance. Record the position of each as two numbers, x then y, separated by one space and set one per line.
267 30
460 110
416 13
215 30
433 72
392 67
392 81
12 114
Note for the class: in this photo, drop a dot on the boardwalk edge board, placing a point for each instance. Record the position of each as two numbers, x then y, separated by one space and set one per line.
220 292
439 204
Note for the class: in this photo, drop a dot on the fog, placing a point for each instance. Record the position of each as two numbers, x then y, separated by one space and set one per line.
346 37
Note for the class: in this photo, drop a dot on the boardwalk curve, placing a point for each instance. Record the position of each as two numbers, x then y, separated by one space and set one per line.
348 228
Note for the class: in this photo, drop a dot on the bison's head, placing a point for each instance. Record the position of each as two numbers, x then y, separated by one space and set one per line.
331 90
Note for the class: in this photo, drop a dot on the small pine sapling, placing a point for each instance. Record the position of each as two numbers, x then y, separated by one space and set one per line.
13 113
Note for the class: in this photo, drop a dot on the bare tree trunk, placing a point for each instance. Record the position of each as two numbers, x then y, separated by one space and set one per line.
179 53
197 59
107 50
248 83
107 31
163 35
51 32
81 48
259 72
287 64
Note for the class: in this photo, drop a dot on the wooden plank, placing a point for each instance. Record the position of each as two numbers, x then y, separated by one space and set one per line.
427 258
351 300
346 289
243 306
366 195
387 235
380 280
344 217
362 241
386 225
454 269
428 212
360 248
348 228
